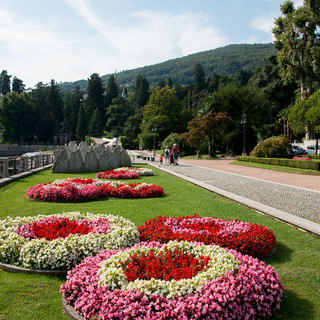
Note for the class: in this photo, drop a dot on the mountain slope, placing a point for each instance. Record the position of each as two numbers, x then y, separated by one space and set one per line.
226 60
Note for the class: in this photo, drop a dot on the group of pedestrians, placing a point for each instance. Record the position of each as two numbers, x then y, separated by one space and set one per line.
171 156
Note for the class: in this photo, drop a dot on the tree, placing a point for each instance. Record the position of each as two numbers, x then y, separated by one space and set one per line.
71 111
94 127
305 115
5 81
142 92
95 100
112 91
47 127
18 114
17 85
117 114
297 37
82 125
195 135
199 78
54 102
163 102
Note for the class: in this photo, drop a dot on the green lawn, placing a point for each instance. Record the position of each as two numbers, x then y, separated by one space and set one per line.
37 297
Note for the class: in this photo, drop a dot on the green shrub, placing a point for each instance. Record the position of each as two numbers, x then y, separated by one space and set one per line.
170 140
147 140
271 148
302 164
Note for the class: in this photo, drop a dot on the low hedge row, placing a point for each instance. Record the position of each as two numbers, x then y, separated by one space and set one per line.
302 164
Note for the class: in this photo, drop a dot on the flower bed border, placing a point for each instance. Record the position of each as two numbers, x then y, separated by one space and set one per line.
70 311
15 269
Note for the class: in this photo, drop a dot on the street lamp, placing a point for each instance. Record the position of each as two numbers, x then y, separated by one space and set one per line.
243 121
154 141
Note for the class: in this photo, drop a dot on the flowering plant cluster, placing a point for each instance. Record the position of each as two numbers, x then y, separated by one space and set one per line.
117 174
129 190
229 285
77 189
301 158
139 171
245 237
22 243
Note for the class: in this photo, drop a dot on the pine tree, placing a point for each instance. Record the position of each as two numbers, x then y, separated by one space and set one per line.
82 125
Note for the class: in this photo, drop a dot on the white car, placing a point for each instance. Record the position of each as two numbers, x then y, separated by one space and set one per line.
311 149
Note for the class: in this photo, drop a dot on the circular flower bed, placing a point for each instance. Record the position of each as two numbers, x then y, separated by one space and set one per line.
77 189
177 280
59 242
117 174
139 171
248 238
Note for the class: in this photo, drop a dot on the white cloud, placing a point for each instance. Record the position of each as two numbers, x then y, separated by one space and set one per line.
263 23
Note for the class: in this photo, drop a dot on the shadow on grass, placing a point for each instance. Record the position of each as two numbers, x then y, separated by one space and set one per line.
282 255
295 308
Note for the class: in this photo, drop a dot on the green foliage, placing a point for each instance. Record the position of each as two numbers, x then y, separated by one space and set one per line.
18 114
170 140
164 105
149 140
5 81
112 91
271 148
17 85
82 125
199 78
296 39
142 92
302 164
117 114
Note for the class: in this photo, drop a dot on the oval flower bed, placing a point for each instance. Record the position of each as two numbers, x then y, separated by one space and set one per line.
117 174
248 238
76 189
139 171
59 242
177 280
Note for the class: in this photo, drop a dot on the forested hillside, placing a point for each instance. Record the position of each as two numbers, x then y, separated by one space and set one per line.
224 61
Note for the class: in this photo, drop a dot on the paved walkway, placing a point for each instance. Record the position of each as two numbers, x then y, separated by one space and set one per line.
293 198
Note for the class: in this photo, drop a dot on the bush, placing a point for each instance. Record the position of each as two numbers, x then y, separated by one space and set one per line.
302 164
170 140
147 140
271 148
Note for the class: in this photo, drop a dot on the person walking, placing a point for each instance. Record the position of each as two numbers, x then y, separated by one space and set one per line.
167 155
175 151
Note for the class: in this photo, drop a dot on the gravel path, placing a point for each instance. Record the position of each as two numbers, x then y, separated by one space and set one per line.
301 202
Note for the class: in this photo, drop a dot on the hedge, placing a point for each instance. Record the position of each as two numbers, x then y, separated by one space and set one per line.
302 164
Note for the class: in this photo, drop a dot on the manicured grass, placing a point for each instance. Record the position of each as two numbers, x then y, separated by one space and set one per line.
277 168
35 297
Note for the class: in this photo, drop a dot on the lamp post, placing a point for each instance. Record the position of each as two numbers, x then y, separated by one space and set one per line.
154 141
243 121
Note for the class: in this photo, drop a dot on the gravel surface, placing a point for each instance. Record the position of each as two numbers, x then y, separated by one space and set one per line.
298 201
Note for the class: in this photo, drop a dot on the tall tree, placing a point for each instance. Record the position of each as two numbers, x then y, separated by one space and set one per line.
95 100
54 101
117 114
17 85
71 111
297 38
82 124
112 91
142 91
199 78
5 81
163 102
18 116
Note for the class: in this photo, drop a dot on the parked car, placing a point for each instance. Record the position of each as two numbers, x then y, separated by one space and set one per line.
311 149
298 150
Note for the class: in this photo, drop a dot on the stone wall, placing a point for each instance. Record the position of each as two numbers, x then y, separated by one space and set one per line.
93 158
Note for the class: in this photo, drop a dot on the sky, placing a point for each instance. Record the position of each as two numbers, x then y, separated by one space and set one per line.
68 40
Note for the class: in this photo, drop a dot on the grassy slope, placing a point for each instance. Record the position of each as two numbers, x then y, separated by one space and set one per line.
35 297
